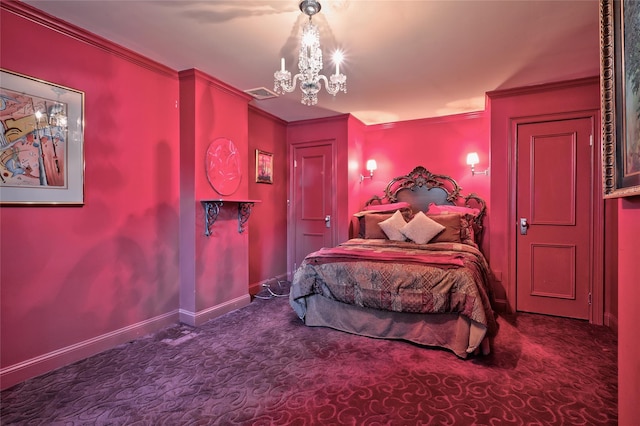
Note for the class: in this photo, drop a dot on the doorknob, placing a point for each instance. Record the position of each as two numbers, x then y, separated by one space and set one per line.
327 221
524 225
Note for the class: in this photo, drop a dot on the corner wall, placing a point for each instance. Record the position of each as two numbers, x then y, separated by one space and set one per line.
268 222
214 268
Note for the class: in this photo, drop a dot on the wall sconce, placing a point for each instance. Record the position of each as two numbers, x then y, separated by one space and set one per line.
472 160
371 166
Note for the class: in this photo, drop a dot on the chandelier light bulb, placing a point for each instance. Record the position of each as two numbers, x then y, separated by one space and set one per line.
338 57
309 38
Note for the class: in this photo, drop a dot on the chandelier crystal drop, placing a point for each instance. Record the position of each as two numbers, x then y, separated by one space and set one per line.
310 64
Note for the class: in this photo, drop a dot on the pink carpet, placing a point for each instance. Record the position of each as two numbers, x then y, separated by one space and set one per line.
261 366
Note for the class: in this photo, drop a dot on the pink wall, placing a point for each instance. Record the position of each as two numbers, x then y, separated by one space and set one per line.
98 274
268 222
611 262
629 296
439 144
215 279
329 129
357 135
503 108
134 258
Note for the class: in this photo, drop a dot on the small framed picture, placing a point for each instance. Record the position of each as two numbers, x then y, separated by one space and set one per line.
264 167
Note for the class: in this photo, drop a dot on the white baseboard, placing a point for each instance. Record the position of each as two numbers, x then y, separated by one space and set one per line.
197 318
39 365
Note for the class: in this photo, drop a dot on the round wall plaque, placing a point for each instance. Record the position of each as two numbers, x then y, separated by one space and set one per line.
222 163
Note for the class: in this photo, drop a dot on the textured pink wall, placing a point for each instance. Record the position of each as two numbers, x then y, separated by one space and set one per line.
220 262
628 299
70 274
268 221
356 165
439 144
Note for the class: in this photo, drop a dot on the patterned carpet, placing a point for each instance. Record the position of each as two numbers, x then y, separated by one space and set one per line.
261 366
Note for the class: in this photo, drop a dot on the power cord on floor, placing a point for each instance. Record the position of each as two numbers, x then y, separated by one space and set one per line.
268 293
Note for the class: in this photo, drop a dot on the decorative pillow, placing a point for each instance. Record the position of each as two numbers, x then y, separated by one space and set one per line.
445 208
452 227
421 229
371 225
392 226
467 230
375 218
467 233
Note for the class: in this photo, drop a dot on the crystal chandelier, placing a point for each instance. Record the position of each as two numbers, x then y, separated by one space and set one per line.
310 64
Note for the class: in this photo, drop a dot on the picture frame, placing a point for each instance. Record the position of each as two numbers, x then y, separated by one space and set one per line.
620 97
41 142
264 167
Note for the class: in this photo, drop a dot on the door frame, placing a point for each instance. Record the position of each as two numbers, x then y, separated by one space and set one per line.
291 225
596 257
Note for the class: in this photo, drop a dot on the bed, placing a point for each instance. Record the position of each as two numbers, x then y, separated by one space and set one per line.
411 270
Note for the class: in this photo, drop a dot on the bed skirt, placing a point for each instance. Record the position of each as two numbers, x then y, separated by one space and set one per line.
451 331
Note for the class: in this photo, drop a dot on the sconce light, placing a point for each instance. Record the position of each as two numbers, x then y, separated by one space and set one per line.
472 160
371 166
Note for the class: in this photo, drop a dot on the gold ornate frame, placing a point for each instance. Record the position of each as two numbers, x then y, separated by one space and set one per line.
617 181
264 167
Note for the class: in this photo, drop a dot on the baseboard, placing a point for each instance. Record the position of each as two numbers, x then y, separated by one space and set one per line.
42 364
197 318
611 321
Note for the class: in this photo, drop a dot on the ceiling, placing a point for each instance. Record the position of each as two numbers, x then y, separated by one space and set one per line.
403 59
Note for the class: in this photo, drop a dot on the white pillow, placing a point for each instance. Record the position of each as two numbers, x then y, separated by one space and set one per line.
421 229
391 226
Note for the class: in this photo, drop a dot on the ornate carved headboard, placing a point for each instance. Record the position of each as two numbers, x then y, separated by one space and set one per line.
420 188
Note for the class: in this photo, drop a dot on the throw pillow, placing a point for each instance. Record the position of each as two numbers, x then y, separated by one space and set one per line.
391 226
421 229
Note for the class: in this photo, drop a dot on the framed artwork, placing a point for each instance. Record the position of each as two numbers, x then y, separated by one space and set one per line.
620 91
41 142
264 167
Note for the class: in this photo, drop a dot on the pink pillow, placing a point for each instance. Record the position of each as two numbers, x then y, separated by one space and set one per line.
452 227
435 208
371 225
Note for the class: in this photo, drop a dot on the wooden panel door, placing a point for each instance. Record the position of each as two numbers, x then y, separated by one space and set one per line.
313 203
554 178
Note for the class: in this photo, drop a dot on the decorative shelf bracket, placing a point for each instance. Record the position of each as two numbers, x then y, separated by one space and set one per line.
211 211
244 210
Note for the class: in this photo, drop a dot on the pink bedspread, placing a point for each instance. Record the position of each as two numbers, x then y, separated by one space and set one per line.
399 276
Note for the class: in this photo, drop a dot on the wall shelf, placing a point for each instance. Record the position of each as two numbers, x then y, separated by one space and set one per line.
212 209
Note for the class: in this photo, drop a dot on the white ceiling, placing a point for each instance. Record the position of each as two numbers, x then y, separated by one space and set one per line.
404 59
